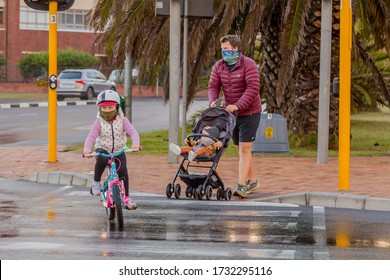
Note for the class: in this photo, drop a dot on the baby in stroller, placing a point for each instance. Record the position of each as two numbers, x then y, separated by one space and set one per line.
211 135
207 144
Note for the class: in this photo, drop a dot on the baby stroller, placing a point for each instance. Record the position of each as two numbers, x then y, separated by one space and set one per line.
201 185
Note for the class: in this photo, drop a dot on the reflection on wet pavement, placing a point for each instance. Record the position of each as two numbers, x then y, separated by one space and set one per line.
8 210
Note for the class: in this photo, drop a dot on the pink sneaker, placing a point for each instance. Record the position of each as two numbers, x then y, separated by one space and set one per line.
129 204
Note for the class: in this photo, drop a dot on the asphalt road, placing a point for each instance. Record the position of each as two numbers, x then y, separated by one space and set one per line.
44 221
29 126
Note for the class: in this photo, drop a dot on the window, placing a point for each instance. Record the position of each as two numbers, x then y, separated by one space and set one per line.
1 17
69 20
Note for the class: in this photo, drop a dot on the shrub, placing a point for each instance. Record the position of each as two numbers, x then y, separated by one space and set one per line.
35 65
3 62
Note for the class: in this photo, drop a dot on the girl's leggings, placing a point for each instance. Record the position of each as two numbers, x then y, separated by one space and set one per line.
121 163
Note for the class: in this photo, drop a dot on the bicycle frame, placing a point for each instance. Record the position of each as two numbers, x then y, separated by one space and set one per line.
112 179
113 192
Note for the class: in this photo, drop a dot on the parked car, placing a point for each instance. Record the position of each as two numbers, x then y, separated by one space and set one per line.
118 75
83 83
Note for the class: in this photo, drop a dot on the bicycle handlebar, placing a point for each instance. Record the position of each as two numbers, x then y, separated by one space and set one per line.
125 150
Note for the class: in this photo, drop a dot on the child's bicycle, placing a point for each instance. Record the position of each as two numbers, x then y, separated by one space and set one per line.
113 192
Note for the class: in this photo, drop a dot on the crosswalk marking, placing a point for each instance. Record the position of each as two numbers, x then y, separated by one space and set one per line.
78 193
270 254
64 188
319 232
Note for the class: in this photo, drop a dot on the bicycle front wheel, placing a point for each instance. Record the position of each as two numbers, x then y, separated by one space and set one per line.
116 197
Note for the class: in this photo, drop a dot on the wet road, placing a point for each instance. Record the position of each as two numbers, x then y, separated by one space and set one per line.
43 221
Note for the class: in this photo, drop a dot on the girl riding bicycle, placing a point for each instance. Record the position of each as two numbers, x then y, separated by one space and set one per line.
109 134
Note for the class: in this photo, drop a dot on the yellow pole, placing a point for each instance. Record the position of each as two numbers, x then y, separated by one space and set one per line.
345 94
52 90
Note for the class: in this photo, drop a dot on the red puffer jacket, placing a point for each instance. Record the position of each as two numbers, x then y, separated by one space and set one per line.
240 85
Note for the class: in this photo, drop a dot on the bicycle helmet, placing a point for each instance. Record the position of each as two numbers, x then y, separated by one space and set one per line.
108 97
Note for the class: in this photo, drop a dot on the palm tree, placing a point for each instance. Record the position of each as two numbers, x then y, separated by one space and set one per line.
285 32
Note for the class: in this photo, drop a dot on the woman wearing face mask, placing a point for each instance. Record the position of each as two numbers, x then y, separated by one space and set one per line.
238 78
109 134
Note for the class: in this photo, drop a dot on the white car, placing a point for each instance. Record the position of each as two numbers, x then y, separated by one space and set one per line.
83 83
118 75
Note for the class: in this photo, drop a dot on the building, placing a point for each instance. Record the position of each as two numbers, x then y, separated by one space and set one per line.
25 30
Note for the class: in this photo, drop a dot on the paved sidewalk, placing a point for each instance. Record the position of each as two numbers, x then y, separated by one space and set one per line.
297 180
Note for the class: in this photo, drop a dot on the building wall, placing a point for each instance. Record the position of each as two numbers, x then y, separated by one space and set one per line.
18 42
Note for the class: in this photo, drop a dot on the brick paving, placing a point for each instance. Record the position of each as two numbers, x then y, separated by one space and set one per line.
278 175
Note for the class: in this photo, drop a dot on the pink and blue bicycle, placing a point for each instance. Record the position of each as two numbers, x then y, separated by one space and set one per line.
113 192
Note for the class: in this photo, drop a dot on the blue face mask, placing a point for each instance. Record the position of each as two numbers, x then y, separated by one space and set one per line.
230 56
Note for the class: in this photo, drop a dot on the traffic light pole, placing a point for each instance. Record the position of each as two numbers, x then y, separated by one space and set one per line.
52 89
345 94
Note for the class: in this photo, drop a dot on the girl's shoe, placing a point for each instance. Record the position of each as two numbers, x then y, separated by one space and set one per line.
129 204
95 190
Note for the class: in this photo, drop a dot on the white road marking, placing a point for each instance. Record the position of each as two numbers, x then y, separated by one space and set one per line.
319 233
64 188
78 193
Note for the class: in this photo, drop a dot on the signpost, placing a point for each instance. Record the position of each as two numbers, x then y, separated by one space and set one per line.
53 6
175 9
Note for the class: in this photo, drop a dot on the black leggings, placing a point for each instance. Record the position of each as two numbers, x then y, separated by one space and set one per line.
101 163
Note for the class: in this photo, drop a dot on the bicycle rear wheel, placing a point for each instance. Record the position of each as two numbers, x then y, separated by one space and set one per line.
116 197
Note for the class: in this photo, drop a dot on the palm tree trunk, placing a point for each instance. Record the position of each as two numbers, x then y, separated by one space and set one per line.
301 95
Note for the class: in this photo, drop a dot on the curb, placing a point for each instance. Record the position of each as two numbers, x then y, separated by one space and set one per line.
333 200
61 178
45 104
326 199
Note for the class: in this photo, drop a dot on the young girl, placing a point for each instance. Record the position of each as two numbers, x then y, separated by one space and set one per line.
109 134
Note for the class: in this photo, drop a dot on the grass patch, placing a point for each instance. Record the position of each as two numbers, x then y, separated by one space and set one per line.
153 143
370 137
22 96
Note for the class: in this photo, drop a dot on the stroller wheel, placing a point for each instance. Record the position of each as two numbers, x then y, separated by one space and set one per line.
208 192
177 191
220 193
228 194
199 194
189 191
169 190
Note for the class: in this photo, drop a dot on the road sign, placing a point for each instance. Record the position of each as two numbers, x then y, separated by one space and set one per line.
196 8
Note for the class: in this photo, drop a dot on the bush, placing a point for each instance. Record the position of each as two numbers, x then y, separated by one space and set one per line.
35 65
3 62
71 58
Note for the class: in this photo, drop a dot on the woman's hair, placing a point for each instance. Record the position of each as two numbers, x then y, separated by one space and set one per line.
232 39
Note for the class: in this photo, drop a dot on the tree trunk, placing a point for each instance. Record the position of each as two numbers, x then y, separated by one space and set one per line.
301 95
